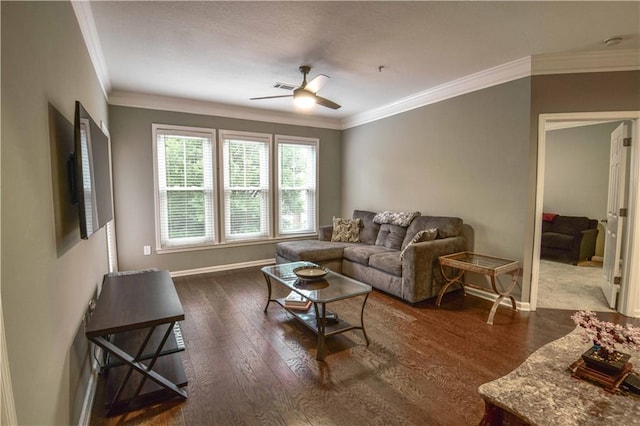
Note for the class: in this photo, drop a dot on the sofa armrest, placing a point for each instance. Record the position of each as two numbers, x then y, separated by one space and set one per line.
587 244
421 275
325 232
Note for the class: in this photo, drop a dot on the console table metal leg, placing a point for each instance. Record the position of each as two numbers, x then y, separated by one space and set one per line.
138 366
118 393
154 358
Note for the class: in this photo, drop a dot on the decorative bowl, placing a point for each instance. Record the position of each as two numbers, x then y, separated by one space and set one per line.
310 273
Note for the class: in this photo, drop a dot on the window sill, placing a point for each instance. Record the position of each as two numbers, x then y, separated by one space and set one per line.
169 250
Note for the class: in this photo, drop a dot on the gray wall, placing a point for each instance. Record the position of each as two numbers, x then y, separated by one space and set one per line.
133 186
466 157
45 291
576 176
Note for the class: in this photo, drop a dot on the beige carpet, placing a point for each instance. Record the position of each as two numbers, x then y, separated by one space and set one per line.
563 286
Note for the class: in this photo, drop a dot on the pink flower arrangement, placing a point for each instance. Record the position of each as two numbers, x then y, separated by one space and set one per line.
606 335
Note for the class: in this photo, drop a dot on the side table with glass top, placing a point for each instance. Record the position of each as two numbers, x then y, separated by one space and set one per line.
490 266
331 288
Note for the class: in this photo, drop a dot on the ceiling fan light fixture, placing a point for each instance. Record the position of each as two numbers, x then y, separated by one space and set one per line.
303 99
304 96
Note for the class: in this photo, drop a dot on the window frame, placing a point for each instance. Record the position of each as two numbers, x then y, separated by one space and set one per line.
186 242
223 214
219 214
295 140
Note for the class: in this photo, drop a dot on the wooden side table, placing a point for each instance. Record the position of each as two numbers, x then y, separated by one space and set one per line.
490 266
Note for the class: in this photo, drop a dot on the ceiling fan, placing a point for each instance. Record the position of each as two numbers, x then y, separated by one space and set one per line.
305 94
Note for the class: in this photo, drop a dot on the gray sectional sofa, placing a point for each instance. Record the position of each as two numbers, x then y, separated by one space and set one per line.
376 259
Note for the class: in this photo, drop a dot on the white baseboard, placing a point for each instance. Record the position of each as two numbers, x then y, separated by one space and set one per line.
87 404
597 258
521 306
227 267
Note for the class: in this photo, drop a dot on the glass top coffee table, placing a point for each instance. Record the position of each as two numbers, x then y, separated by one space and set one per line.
330 288
490 266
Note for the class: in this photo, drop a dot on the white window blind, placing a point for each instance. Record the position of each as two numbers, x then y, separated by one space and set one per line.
89 196
112 252
246 185
297 183
185 177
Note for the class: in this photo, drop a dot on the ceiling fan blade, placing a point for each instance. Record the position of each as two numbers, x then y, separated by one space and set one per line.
314 85
326 102
271 97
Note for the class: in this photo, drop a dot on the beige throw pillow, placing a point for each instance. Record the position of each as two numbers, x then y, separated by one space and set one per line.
346 230
421 236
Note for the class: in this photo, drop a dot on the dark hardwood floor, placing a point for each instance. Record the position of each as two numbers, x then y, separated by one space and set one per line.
423 366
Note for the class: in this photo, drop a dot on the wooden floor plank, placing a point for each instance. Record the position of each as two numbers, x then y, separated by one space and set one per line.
423 365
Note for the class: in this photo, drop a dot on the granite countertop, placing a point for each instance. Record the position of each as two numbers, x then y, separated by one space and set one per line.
542 391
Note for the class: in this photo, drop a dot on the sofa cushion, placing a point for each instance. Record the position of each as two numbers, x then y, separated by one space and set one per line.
556 240
311 250
387 262
346 230
395 218
391 236
570 225
368 228
420 237
446 226
360 253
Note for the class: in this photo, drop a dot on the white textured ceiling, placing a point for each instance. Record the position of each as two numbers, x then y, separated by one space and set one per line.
227 52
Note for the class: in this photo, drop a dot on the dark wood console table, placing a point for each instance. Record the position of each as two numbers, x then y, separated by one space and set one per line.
136 322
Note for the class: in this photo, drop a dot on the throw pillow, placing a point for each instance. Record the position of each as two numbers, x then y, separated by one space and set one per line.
391 236
346 230
420 237
396 218
369 230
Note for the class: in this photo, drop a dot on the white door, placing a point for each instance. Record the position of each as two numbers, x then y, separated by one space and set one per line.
612 266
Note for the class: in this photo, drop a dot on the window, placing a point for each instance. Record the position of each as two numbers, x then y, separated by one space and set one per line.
247 195
185 195
297 181
246 187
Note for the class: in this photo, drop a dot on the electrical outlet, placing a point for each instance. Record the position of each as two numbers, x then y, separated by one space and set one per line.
147 250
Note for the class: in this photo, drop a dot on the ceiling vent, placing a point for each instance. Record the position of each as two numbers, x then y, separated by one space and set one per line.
284 86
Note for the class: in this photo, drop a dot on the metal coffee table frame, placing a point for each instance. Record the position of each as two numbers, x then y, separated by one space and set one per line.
335 287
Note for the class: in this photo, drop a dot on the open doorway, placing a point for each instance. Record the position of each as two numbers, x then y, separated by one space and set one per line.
629 297
576 178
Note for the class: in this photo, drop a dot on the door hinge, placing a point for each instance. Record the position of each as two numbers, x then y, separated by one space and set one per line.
626 142
624 212
617 280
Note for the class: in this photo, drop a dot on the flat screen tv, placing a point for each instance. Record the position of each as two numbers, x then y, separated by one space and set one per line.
90 172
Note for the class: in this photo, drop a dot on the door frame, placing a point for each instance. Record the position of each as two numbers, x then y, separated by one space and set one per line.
629 298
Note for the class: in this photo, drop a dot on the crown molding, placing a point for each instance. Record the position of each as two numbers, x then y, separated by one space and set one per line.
582 62
481 80
192 106
87 24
